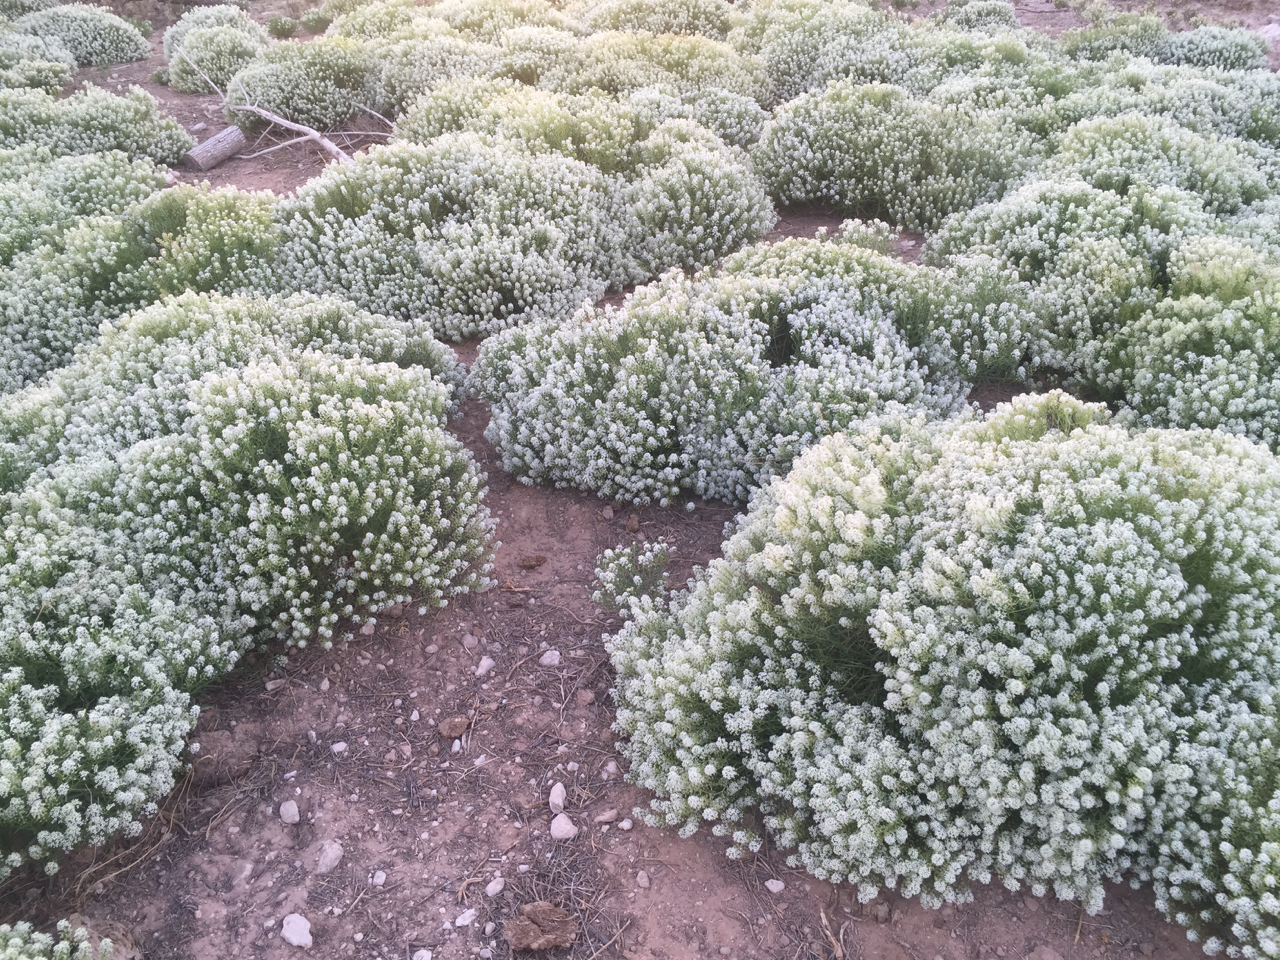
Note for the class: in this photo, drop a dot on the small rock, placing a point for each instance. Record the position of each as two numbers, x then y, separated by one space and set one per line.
489 928
611 769
642 880
585 697
199 127
453 727
296 930
274 685
607 513
289 812
550 659
1147 948
465 918
457 747
726 951
556 798
625 824
486 664
324 685
495 887
379 878
633 523
469 642
422 955
880 911
367 630
329 857
486 953
774 886
608 816
414 716
1032 904
1000 951
562 828
339 748
1044 952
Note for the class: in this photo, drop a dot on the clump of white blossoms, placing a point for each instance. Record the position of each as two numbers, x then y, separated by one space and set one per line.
54 296
320 83
712 385
94 35
707 18
1034 648
43 63
872 150
21 942
91 121
212 473
213 55
466 235
202 18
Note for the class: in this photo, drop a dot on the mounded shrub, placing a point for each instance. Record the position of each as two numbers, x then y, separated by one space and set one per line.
711 386
486 20
873 151
464 235
53 297
94 35
43 63
707 18
91 121
321 83
297 475
203 18
1034 648
212 55
413 68
619 63
282 28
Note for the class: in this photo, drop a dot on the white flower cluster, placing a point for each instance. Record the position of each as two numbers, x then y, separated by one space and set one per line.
711 386
465 235
215 41
91 121
873 150
40 203
487 20
1223 48
13 9
21 942
211 472
1036 648
619 63
707 18
28 61
94 35
54 296
320 83
631 574
979 16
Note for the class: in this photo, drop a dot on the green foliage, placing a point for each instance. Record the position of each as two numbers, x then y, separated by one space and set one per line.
321 83
94 35
212 55
315 21
282 28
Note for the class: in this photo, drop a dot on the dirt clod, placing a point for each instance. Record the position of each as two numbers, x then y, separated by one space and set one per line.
532 563
540 926
453 727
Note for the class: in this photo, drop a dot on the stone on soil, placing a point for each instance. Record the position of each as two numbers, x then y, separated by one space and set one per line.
329 857
556 799
562 828
296 930
289 812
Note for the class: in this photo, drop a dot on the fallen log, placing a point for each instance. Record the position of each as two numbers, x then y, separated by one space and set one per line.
220 147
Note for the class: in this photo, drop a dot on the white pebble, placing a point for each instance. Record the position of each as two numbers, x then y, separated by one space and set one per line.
556 799
495 887
562 828
296 930
289 812
550 659
774 886
486 664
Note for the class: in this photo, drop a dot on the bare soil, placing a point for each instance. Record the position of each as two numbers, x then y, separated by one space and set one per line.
427 821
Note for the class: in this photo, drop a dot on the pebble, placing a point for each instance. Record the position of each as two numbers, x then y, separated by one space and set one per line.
469 642
608 816
197 128
642 880
774 886
367 630
486 953
274 685
329 857
726 951
465 918
414 716
550 659
607 513
296 931
1044 952
379 878
523 868
562 828
1147 949
289 812
486 664
556 798
495 887
611 769
489 928
625 824
422 955
339 748
324 685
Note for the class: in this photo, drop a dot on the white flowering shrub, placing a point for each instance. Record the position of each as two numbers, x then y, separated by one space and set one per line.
619 63
627 574
736 119
37 207
21 942
210 473
465 235
1093 260
13 9
979 16
212 55
320 83
53 297
874 151
1030 648
29 61
1130 150
694 199
707 18
94 35
203 18
1225 48
537 56
1140 35
411 68
710 386
91 121
386 19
